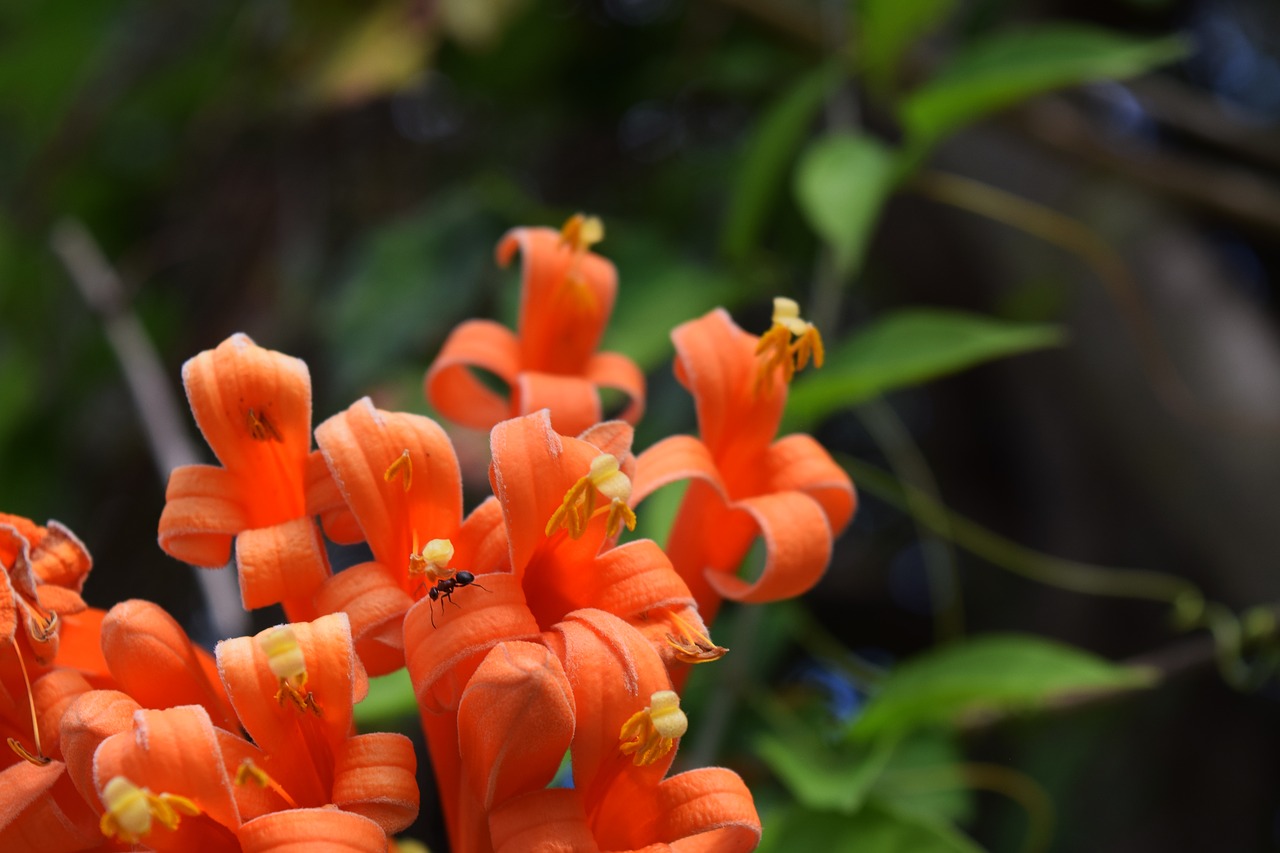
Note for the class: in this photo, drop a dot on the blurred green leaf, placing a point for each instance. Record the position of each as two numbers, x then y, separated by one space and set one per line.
887 28
907 348
998 71
933 752
875 829
764 168
390 701
998 672
818 773
841 183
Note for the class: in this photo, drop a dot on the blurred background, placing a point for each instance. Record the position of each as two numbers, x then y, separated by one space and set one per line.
1039 237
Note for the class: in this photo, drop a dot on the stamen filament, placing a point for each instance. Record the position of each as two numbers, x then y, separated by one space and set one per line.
260 429
779 350
248 771
579 504
692 644
130 810
402 467
39 758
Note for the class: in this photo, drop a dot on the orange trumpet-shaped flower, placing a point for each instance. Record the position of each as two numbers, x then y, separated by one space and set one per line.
598 689
253 406
42 570
567 295
744 484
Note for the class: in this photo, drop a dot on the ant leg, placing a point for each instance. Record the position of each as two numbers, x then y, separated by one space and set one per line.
485 588
432 609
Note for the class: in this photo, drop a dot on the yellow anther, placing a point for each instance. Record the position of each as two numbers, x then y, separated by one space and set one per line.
433 561
650 734
131 810
581 232
260 429
692 644
402 467
606 480
284 656
249 772
779 350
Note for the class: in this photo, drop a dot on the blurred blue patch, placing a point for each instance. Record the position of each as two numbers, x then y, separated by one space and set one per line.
843 698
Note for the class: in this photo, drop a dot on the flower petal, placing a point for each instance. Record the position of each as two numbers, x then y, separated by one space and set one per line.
482 546
797 541
320 830
454 389
325 499
53 693
421 501
442 657
709 810
89 720
155 662
615 371
80 646
547 821
515 721
374 776
374 602
679 457
799 463
561 320
253 406
574 402
202 511
41 811
285 562
61 559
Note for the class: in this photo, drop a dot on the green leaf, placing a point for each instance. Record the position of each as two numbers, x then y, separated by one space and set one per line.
841 183
764 168
820 774
1001 70
887 28
390 701
934 755
907 348
874 829
992 673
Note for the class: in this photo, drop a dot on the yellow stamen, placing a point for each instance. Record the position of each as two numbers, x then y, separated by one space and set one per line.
38 758
260 428
692 644
779 350
403 467
250 772
581 232
605 478
433 561
130 810
650 734
284 656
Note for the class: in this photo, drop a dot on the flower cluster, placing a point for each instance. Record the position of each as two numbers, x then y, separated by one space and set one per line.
530 627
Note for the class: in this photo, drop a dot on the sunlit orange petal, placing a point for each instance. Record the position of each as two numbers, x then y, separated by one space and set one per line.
174 751
60 558
441 658
709 810
238 390
321 830
454 389
614 437
89 720
80 646
481 545
375 603
424 497
616 371
53 693
574 402
676 458
155 662
547 821
374 776
798 548
202 512
59 599
325 499
799 463
515 721
286 561
560 326
41 812
716 361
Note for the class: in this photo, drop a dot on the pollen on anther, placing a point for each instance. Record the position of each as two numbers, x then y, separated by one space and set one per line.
401 467
651 732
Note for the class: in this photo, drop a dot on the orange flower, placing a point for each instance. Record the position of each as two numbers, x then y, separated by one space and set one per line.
744 484
43 571
599 690
566 298
253 406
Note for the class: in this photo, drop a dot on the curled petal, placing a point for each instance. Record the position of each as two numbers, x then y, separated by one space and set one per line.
547 821
573 402
679 457
281 562
374 777
799 463
374 602
454 389
155 662
60 559
41 812
323 830
566 299
615 371
482 545
442 657
797 541
709 810
202 512
53 693
325 499
515 721
89 720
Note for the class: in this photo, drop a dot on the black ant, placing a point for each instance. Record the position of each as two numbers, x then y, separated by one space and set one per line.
446 587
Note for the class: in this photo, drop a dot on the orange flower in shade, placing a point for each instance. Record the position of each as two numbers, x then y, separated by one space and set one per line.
561 506
567 295
597 689
744 484
44 569
253 406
